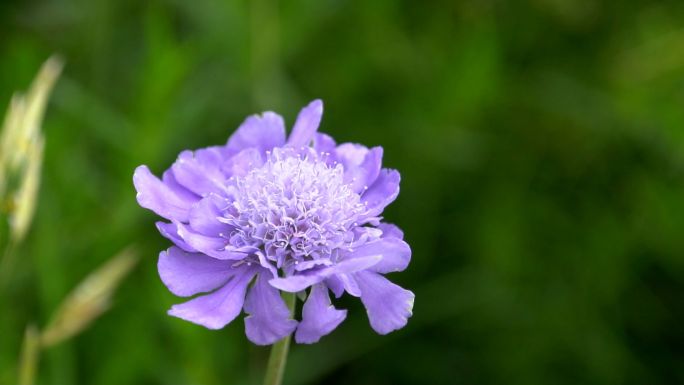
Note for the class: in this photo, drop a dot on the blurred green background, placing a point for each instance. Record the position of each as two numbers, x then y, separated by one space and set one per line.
540 144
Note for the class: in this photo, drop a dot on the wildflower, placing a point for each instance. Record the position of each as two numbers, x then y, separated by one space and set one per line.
265 214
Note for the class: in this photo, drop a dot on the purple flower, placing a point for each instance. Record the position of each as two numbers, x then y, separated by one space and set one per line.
264 213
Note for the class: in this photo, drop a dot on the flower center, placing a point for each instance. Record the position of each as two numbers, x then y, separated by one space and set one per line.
294 208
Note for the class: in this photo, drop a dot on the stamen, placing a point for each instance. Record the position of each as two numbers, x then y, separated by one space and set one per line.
295 205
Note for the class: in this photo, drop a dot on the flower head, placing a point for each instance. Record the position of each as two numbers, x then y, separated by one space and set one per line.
265 214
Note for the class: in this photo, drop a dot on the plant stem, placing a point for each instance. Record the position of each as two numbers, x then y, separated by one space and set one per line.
276 361
28 363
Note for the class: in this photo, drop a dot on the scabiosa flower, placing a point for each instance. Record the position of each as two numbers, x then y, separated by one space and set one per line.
263 214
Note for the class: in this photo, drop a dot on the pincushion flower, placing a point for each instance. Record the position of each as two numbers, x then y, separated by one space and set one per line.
265 214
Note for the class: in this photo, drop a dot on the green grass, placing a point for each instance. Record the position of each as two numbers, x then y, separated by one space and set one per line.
542 179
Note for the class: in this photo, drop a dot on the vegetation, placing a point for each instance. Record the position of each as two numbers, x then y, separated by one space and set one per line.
540 145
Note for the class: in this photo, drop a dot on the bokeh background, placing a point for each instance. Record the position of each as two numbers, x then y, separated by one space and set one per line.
541 148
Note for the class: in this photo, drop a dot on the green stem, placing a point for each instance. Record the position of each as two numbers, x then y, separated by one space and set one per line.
276 361
28 363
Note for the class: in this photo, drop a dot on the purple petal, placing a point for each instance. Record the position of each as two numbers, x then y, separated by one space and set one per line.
352 265
170 232
153 194
364 234
299 282
351 154
243 162
306 125
371 167
212 156
261 132
295 283
215 310
390 231
204 216
361 166
319 316
383 192
349 284
199 174
182 192
269 318
324 143
388 305
265 263
395 253
212 246
187 274
335 285
306 265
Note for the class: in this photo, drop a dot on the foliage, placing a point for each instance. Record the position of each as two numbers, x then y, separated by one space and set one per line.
540 147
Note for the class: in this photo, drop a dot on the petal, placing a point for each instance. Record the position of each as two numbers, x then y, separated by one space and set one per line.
170 232
269 318
182 192
197 174
212 246
262 132
306 265
370 167
243 162
265 263
212 157
335 285
351 154
390 231
306 125
295 283
349 284
215 310
325 144
203 217
364 234
388 306
155 195
352 265
187 274
396 254
361 166
383 192
319 316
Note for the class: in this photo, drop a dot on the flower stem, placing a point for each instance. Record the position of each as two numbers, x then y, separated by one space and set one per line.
276 361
